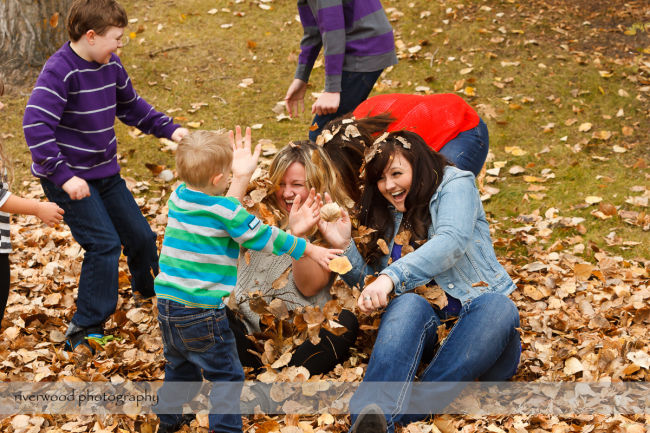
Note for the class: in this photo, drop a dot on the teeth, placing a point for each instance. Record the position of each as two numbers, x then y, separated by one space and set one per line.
397 193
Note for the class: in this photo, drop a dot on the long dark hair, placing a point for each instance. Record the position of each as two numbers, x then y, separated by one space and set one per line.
345 148
374 210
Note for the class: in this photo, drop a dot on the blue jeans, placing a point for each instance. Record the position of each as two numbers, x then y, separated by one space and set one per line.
469 149
198 343
102 224
355 88
483 345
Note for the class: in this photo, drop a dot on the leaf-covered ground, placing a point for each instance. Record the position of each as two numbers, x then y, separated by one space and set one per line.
564 89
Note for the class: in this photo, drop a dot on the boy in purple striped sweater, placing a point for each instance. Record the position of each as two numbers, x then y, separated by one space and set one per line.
358 44
68 126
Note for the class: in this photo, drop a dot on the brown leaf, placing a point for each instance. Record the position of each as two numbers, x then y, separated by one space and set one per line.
54 20
282 280
382 246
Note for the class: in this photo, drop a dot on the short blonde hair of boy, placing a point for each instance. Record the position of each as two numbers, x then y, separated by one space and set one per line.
201 155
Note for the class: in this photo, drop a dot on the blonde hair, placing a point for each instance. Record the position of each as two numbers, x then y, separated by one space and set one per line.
201 155
320 173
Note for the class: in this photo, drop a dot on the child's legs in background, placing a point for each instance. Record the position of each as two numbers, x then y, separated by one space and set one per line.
201 337
355 88
92 228
135 234
4 284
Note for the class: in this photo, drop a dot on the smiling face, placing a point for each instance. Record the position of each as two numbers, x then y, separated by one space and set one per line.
395 181
292 184
100 47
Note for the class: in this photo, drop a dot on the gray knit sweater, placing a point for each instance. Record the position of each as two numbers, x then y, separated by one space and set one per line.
259 275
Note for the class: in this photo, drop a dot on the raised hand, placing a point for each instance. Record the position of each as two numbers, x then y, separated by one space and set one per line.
337 233
304 216
243 162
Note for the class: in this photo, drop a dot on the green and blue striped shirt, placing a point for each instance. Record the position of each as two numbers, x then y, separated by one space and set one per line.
198 261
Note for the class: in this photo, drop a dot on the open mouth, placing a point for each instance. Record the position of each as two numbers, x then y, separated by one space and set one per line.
398 195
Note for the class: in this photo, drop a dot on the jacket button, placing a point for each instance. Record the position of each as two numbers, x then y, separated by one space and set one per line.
450 286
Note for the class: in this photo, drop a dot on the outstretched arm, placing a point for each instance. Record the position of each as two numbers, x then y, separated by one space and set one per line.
49 213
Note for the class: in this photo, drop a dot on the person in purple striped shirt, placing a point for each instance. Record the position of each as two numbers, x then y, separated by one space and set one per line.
69 128
358 44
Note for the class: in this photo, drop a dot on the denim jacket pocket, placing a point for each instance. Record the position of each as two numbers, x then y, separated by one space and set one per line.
197 335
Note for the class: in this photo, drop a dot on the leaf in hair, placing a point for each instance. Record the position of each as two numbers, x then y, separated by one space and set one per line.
405 143
346 121
382 246
352 131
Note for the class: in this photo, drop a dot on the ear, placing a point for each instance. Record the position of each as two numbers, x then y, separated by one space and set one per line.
90 36
214 180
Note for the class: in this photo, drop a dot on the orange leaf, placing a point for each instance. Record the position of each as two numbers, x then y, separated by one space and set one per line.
54 19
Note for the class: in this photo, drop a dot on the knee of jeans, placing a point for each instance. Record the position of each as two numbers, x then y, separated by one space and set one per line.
408 305
108 246
505 311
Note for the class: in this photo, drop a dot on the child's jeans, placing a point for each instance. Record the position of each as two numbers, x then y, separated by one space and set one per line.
102 224
355 88
199 340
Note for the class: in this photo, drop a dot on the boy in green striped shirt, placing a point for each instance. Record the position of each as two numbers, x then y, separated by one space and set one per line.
198 269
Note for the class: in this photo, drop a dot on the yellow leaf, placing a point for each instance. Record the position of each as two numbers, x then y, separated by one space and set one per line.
593 199
605 74
583 271
619 149
132 35
340 265
194 125
602 135
469 91
584 127
533 179
515 150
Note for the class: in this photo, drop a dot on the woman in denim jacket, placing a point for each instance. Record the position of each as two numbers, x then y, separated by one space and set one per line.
409 187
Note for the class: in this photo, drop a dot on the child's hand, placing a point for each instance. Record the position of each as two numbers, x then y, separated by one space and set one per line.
375 294
295 98
179 133
327 103
49 213
303 217
76 187
339 232
243 163
321 255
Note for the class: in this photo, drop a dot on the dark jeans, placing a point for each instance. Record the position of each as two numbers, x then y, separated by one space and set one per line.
198 344
4 284
102 224
469 149
484 345
355 88
318 358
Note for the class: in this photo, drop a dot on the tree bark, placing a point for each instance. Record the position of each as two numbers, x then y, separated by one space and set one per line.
30 32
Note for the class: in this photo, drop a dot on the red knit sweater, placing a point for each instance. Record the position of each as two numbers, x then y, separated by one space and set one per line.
436 118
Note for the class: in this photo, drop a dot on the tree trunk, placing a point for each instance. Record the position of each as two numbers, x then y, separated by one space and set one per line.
30 32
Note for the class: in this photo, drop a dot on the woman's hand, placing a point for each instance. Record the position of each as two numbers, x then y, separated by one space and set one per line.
375 294
337 233
304 216
76 187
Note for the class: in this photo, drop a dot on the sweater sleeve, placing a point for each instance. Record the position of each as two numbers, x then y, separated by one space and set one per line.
310 43
331 24
42 116
135 111
249 232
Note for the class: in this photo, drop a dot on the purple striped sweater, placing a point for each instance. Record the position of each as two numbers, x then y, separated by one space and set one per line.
355 35
70 116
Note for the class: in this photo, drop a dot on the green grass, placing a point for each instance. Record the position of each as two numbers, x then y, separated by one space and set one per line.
263 45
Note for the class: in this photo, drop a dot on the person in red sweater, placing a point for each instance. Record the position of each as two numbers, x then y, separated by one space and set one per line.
447 123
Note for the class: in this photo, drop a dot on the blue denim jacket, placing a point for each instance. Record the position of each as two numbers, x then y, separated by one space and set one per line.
458 254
